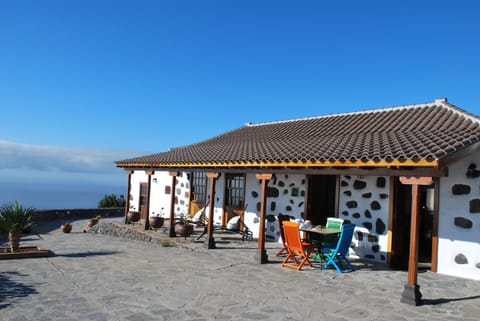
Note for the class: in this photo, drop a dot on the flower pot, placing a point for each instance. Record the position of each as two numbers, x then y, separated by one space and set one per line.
184 230
156 221
66 228
133 216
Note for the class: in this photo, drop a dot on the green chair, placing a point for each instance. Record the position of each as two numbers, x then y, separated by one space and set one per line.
334 224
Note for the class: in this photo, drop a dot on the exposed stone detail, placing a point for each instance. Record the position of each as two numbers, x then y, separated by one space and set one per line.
288 208
475 206
258 206
352 204
344 184
285 191
367 195
381 182
348 176
347 222
271 218
359 184
302 193
472 172
370 256
380 226
367 225
460 189
273 206
300 204
461 259
368 214
376 248
477 265
254 194
375 205
272 192
345 213
383 195
281 183
348 193
463 222
356 215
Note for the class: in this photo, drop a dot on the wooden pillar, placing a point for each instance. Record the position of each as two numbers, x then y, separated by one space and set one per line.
127 197
261 254
172 232
149 185
210 240
411 292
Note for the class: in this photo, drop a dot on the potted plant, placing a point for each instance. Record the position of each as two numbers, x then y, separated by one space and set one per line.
14 219
183 226
133 215
156 220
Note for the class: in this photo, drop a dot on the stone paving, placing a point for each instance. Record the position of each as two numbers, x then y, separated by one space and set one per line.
99 277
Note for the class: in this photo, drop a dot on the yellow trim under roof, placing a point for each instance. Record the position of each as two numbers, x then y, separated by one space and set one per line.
291 164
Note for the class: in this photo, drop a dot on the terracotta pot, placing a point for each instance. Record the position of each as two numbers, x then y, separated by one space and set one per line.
66 228
14 240
184 230
133 216
156 221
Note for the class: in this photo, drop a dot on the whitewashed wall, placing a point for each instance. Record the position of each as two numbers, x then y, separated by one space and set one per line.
158 197
364 201
459 227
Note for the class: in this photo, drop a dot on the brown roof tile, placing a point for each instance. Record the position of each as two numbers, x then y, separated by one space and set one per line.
415 135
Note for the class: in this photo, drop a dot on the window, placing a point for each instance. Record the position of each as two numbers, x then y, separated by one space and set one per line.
199 187
234 190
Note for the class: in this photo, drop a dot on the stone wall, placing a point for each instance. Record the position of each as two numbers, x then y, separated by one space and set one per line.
49 215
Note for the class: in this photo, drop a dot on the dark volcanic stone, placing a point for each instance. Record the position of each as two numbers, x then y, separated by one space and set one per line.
380 226
460 189
463 222
381 181
368 214
367 195
461 259
352 204
359 184
475 206
375 205
348 193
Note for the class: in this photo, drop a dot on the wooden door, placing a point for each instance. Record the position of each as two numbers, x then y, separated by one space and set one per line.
143 200
321 199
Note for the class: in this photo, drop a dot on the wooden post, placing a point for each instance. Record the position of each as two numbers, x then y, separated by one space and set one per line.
210 240
411 292
261 255
127 197
172 232
149 184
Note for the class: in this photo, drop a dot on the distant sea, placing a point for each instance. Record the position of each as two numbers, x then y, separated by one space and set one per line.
57 196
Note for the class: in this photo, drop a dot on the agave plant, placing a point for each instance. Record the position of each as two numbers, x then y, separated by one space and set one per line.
15 218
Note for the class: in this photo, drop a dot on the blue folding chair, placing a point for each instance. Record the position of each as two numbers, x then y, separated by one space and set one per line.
337 255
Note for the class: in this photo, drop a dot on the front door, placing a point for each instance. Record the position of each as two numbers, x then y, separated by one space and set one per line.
143 200
321 198
401 224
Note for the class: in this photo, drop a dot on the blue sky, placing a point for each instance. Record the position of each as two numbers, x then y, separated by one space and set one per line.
85 83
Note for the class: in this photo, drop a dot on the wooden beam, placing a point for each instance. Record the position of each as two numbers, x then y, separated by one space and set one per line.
149 186
411 293
261 255
354 170
416 180
210 240
436 208
127 197
172 232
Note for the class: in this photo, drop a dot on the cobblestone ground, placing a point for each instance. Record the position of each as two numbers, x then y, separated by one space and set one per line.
98 277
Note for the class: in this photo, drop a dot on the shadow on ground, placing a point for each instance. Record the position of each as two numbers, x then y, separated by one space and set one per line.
11 290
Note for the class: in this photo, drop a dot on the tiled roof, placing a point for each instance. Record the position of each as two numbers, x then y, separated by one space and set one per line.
415 135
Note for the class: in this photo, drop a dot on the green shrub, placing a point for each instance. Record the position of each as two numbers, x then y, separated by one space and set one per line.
111 200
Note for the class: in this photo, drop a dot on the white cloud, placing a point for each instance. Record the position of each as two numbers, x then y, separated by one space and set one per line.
16 158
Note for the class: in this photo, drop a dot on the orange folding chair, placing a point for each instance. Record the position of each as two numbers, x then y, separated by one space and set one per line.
298 251
281 218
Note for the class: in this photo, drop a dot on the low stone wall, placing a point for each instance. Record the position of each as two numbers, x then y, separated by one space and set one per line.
49 215
125 231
